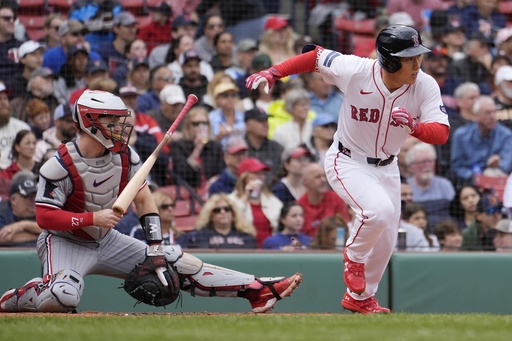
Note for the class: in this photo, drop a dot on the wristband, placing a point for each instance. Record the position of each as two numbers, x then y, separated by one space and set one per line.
152 227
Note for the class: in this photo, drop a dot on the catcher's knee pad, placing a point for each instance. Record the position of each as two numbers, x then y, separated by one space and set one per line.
184 263
63 294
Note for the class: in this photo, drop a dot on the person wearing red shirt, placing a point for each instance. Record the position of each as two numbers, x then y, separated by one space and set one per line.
156 32
319 201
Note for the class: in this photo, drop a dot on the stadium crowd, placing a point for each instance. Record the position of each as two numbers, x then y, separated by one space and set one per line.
244 170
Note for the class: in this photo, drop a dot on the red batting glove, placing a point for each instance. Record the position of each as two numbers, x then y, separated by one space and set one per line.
269 76
404 118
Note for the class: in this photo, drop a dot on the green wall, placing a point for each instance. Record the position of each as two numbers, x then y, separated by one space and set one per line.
421 283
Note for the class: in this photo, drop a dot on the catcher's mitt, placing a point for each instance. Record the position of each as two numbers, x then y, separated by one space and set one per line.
142 283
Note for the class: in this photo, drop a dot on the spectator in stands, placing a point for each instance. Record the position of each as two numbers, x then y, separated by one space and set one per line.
504 41
113 52
72 74
482 17
464 206
172 99
197 157
134 50
435 63
138 74
235 151
484 146
244 19
479 235
258 204
156 31
323 97
289 186
18 226
299 129
40 86
192 81
260 146
289 236
30 55
475 66
497 62
181 25
503 238
245 53
94 70
63 130
224 45
277 40
176 56
405 192
453 39
415 9
98 16
9 67
9 127
325 238
38 117
324 127
218 77
51 30
22 151
432 191
449 235
71 33
213 24
503 95
418 238
226 120
465 95
220 225
160 76
319 201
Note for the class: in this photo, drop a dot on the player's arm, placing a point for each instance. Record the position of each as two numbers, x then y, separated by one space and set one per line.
429 132
305 62
148 215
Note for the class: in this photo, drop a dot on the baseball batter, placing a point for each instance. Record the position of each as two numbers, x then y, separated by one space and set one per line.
77 189
385 101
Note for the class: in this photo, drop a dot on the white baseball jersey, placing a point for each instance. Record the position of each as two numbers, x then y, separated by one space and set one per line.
365 125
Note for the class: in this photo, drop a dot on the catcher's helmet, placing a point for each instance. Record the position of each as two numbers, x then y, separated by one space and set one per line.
102 115
398 41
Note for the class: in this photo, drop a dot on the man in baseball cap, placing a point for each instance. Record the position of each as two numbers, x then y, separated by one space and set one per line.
503 238
252 165
157 30
17 215
30 55
235 151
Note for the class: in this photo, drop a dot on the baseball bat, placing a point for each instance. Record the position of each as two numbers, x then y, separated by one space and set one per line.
126 197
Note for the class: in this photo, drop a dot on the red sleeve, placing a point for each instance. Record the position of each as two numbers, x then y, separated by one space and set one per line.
433 133
60 220
305 62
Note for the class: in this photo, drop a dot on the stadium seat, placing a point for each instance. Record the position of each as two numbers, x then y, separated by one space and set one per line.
172 190
59 6
496 184
355 36
34 25
136 7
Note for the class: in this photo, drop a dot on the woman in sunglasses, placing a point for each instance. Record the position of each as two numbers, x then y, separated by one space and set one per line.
220 226
197 157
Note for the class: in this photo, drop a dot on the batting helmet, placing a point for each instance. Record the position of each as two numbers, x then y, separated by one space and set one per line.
398 41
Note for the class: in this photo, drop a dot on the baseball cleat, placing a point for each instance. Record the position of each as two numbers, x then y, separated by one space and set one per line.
10 300
354 275
272 292
367 306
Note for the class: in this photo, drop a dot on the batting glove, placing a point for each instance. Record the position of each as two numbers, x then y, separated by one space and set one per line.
157 257
267 77
404 118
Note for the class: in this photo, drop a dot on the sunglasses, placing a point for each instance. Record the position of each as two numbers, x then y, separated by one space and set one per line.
226 209
8 17
198 123
167 206
330 125
229 95
77 34
494 210
165 79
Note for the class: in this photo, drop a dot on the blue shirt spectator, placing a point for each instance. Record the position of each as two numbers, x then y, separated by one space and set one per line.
280 241
217 119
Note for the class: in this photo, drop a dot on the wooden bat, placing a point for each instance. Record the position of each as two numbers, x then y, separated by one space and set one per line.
126 197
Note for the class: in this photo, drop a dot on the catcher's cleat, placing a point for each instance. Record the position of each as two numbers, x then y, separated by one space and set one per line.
271 292
367 306
354 275
13 300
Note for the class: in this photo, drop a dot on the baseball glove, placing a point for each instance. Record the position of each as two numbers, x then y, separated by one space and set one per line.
143 284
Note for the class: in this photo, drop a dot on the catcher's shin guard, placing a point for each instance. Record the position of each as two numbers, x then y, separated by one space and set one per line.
63 294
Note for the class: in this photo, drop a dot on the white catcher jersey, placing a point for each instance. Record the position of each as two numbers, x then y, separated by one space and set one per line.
100 177
365 125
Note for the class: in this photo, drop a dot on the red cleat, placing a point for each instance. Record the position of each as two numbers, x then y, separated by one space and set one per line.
367 306
354 275
271 292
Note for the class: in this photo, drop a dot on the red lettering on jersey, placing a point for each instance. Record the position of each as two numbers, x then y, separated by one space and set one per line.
362 114
353 112
374 115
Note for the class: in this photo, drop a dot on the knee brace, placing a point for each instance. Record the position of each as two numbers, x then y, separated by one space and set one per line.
183 263
63 293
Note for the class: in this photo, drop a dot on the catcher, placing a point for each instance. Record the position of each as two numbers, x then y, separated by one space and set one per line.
77 189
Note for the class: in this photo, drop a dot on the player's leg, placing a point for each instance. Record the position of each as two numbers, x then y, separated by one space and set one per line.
206 280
